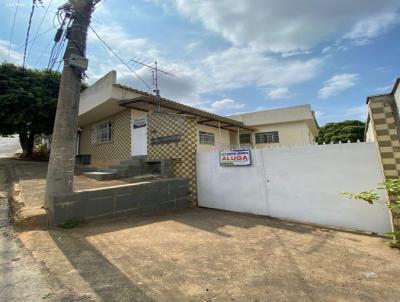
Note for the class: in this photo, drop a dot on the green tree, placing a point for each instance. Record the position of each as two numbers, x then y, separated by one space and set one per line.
28 101
350 130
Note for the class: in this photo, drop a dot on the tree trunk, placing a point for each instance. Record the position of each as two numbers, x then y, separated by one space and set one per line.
27 143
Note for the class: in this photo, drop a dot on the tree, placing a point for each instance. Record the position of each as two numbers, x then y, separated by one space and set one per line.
28 101
350 130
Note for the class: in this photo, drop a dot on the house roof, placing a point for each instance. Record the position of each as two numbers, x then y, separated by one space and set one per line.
147 102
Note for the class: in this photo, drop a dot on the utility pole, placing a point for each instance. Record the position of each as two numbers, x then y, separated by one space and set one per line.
61 168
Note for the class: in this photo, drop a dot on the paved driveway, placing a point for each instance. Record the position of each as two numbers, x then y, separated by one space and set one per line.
210 255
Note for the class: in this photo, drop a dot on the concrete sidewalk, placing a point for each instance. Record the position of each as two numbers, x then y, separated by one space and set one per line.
22 277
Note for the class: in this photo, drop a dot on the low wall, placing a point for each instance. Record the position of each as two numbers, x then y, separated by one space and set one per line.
148 197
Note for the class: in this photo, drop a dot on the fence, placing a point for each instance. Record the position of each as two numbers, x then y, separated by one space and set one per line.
299 183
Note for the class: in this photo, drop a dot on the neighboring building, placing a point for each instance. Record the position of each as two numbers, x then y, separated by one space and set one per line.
382 127
113 124
291 126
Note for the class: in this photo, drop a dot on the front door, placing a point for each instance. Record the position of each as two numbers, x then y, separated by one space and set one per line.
139 136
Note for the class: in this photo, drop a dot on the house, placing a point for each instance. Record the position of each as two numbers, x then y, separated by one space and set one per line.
113 124
291 126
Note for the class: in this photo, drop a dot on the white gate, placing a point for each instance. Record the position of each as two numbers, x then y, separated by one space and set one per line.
139 136
302 183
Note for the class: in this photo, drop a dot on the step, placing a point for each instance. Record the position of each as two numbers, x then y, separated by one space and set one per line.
102 175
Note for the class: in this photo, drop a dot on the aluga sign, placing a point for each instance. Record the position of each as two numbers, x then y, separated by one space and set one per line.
235 158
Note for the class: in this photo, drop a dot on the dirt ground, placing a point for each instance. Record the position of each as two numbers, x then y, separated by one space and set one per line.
192 255
210 255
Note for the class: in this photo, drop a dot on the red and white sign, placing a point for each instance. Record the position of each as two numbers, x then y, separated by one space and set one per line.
234 158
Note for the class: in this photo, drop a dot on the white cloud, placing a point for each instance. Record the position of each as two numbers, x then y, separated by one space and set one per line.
238 67
225 104
370 28
232 68
14 57
337 84
358 112
279 93
287 25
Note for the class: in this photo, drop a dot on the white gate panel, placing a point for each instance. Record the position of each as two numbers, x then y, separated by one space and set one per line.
239 189
301 183
304 184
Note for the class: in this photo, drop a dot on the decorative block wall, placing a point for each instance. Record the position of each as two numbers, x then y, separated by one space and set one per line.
383 117
120 146
162 130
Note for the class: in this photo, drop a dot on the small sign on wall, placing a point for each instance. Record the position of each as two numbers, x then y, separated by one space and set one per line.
235 158
140 122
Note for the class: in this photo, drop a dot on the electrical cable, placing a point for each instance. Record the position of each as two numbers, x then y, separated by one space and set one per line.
119 58
12 31
27 32
40 25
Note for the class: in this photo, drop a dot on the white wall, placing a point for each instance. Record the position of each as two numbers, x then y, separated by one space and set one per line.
301 183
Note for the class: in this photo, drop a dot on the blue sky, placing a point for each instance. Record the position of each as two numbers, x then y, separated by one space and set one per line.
235 56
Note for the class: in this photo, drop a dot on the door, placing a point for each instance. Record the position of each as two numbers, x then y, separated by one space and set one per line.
139 136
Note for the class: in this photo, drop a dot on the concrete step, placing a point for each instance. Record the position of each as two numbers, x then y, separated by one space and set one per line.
102 175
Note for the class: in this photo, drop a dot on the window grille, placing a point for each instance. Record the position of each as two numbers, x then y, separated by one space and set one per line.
102 132
267 137
206 138
245 138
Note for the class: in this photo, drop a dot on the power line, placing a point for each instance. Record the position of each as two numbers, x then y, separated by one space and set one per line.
12 31
119 58
40 25
29 28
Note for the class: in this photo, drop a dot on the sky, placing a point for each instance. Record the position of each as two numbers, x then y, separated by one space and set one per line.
229 56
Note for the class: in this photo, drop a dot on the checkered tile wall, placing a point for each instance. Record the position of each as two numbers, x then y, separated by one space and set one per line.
383 117
120 146
183 153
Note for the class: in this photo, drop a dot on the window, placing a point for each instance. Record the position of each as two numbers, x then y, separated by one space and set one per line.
102 132
267 137
245 138
206 138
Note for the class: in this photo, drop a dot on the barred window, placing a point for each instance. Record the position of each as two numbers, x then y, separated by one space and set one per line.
245 138
206 138
267 137
102 132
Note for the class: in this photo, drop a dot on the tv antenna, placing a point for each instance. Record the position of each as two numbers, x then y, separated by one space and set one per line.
155 70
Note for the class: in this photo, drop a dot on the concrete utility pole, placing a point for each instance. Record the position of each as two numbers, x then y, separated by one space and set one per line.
60 173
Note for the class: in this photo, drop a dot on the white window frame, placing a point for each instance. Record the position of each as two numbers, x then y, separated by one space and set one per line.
271 137
206 138
102 132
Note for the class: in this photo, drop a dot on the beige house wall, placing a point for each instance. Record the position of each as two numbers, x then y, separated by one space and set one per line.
224 139
290 134
109 153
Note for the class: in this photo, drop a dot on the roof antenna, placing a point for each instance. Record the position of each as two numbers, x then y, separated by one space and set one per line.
155 70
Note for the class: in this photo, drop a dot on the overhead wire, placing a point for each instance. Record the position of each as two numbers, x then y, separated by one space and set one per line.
12 30
119 58
40 25
28 31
